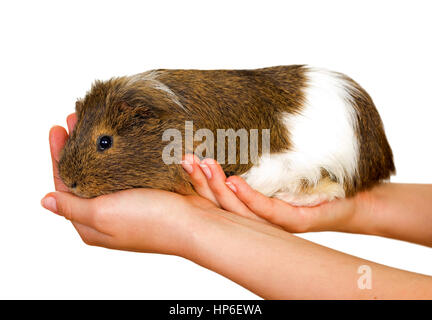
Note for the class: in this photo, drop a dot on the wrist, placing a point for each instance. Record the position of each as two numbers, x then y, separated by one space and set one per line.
195 228
207 233
362 220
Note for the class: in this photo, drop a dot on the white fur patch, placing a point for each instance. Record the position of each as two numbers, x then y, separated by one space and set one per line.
152 78
322 136
310 200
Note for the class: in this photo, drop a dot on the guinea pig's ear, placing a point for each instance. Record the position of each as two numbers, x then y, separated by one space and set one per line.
141 112
78 106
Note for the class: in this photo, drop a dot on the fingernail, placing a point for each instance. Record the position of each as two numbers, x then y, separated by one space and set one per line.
50 204
209 161
206 171
196 159
187 166
231 186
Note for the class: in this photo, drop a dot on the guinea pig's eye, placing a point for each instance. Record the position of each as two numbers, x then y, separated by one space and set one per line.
104 142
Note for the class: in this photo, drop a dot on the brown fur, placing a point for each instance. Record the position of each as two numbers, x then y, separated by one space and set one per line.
376 157
136 114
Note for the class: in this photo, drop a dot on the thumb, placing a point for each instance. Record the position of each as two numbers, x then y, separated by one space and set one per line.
71 207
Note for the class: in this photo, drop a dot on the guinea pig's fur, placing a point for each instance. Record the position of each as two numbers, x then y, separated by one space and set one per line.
326 137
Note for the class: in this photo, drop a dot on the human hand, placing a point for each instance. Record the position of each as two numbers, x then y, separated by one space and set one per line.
193 227
235 195
143 220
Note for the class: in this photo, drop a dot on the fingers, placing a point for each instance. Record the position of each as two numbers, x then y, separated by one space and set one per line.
191 164
293 219
224 193
254 200
208 180
76 209
57 139
71 121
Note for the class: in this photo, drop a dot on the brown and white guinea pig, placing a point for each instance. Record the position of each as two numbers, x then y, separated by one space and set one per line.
326 137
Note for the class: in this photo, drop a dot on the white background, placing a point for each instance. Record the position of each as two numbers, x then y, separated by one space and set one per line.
51 51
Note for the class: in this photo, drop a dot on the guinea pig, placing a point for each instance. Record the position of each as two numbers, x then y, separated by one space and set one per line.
319 134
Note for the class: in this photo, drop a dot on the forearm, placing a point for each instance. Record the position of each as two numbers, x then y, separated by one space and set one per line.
399 211
277 265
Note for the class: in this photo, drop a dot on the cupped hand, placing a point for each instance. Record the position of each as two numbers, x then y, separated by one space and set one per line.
148 220
144 220
235 195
